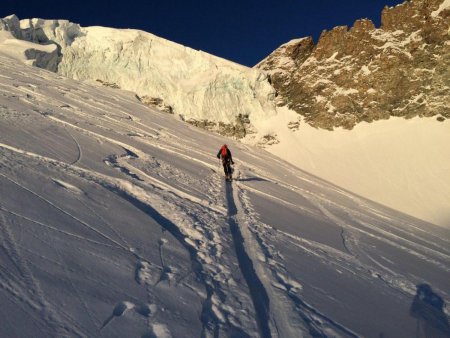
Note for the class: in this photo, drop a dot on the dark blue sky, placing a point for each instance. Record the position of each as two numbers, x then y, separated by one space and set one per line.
244 31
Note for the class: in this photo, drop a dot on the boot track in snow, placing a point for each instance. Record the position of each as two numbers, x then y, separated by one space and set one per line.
258 293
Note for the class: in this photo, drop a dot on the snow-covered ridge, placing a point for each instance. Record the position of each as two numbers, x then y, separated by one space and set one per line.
195 84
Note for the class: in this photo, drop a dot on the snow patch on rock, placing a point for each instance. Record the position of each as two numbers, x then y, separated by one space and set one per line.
443 6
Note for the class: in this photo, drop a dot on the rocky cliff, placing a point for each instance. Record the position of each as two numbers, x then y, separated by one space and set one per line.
364 73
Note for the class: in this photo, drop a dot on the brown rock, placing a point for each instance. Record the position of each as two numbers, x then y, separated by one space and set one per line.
366 74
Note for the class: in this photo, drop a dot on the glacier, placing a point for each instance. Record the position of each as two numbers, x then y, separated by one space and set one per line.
195 84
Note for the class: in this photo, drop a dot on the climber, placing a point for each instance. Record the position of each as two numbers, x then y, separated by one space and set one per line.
225 155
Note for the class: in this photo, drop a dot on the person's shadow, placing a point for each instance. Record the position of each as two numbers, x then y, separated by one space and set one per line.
428 308
248 179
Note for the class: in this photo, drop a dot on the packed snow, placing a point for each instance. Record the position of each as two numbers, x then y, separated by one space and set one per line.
115 221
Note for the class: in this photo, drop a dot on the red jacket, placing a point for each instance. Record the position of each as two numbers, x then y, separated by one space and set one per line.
227 157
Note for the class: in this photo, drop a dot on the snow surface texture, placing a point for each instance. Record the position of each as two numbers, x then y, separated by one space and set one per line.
197 85
115 221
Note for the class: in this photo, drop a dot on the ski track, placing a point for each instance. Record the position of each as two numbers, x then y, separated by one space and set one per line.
80 153
74 288
370 230
46 226
209 317
110 286
176 233
31 286
367 229
364 205
353 246
350 263
312 320
350 237
139 154
214 313
86 307
92 210
80 221
211 322
125 126
246 263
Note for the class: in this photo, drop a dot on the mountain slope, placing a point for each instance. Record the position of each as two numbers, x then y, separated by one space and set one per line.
355 77
117 222
401 164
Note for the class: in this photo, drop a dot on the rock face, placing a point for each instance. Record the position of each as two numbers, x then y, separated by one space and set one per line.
363 73
156 102
239 128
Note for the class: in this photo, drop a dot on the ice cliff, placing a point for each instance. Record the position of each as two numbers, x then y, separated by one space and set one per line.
199 87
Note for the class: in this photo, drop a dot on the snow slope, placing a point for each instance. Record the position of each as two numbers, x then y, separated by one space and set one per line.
404 164
115 221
